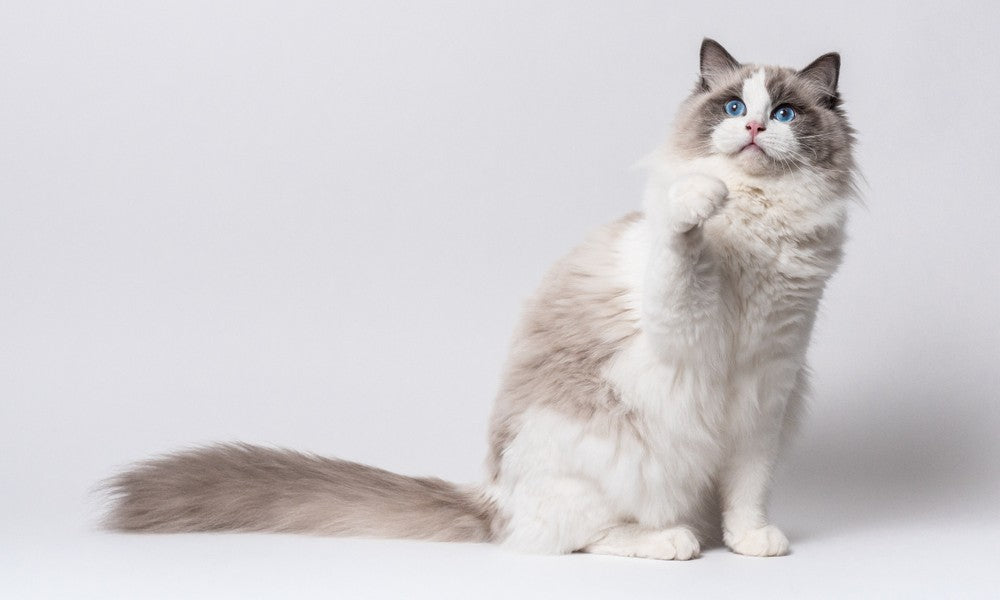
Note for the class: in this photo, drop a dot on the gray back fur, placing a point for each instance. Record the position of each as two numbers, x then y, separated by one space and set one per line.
570 328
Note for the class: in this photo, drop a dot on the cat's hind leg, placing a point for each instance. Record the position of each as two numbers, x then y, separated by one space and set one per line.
676 543
554 514
563 514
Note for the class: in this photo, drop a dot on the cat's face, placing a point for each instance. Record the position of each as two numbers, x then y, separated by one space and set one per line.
767 120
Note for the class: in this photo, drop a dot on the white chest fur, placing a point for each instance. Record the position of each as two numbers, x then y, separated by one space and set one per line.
743 362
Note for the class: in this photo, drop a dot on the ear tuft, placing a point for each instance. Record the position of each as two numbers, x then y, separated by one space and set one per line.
715 62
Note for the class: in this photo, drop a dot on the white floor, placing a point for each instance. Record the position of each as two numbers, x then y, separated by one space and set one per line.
892 525
933 560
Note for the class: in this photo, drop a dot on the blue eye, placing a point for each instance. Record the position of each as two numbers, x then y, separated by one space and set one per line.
783 114
736 108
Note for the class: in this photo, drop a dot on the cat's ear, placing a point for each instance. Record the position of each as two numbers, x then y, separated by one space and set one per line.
715 62
824 71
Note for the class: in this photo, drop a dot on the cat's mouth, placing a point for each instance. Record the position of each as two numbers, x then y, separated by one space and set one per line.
752 147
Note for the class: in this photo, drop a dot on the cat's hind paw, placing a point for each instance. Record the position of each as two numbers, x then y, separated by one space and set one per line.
671 544
677 543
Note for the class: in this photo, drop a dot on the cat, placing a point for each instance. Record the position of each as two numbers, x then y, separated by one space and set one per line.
653 378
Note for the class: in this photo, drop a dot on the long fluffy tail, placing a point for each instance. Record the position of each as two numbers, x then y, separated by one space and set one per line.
238 487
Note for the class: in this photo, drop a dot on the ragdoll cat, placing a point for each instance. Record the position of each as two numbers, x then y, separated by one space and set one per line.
652 379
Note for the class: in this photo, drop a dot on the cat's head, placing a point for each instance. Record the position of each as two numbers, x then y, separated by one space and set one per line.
767 120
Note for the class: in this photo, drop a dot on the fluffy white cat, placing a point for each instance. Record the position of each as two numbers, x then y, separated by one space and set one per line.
653 377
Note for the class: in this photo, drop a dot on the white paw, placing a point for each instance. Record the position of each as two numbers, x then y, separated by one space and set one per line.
670 544
764 541
693 199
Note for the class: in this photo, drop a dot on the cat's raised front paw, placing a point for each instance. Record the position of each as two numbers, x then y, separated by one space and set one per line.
764 541
693 199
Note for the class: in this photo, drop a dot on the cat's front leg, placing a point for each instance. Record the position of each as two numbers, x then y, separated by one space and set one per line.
746 475
680 297
744 487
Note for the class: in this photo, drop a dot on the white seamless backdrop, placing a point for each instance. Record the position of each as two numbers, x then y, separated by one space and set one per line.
313 224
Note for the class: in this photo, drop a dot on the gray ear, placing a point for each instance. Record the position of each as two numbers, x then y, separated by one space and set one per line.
825 71
715 62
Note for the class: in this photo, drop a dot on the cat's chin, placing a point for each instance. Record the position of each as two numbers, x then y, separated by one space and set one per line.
756 161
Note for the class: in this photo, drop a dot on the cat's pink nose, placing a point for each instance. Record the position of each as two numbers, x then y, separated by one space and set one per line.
754 128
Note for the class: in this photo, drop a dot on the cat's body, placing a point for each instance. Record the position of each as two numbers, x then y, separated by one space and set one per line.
672 390
653 376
